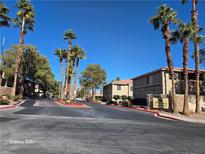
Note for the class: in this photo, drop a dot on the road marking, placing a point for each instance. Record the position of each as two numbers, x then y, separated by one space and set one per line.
21 103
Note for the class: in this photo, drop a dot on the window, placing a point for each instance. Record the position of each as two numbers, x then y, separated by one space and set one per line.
118 87
147 80
131 88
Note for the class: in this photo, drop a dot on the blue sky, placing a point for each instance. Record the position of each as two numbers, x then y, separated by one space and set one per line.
115 34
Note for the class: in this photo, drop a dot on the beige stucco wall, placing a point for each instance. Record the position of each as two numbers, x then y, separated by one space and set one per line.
192 102
179 101
140 88
5 90
110 90
125 90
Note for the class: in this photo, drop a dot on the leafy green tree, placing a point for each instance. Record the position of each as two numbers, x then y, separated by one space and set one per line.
81 93
33 67
194 17
93 77
61 53
4 22
4 18
44 74
164 17
24 20
117 78
9 64
184 34
69 35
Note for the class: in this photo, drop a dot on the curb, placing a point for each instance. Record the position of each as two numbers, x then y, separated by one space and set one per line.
8 107
153 112
12 106
163 116
20 102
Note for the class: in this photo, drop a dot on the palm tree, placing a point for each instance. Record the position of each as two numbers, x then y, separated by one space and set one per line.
24 20
79 53
164 17
4 18
194 17
4 22
69 35
61 53
184 34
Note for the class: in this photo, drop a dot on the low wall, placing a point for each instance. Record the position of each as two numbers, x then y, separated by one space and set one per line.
5 90
161 101
192 102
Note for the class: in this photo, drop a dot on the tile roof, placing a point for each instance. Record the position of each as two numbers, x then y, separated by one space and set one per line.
128 81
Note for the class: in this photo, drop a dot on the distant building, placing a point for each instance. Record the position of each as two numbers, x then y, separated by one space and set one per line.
155 87
159 82
121 87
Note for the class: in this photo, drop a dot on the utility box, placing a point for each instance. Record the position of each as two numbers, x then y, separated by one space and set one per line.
155 103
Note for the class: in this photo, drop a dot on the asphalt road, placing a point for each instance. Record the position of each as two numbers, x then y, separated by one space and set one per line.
44 127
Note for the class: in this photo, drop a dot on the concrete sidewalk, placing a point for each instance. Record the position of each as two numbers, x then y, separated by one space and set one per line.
194 118
12 105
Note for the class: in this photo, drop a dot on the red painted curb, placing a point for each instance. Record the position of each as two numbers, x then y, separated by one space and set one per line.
158 114
8 107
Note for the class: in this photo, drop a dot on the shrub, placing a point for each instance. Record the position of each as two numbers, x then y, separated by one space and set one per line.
124 98
116 97
4 102
16 98
104 100
125 103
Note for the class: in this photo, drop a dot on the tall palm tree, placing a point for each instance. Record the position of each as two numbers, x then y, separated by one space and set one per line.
164 17
184 34
24 20
194 18
69 35
61 53
4 22
79 54
4 18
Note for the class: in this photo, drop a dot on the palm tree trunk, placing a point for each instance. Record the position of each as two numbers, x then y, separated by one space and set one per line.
18 58
65 83
185 65
68 63
196 53
166 36
75 76
61 76
71 76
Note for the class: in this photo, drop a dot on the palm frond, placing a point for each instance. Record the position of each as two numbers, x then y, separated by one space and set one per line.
155 21
174 37
184 1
